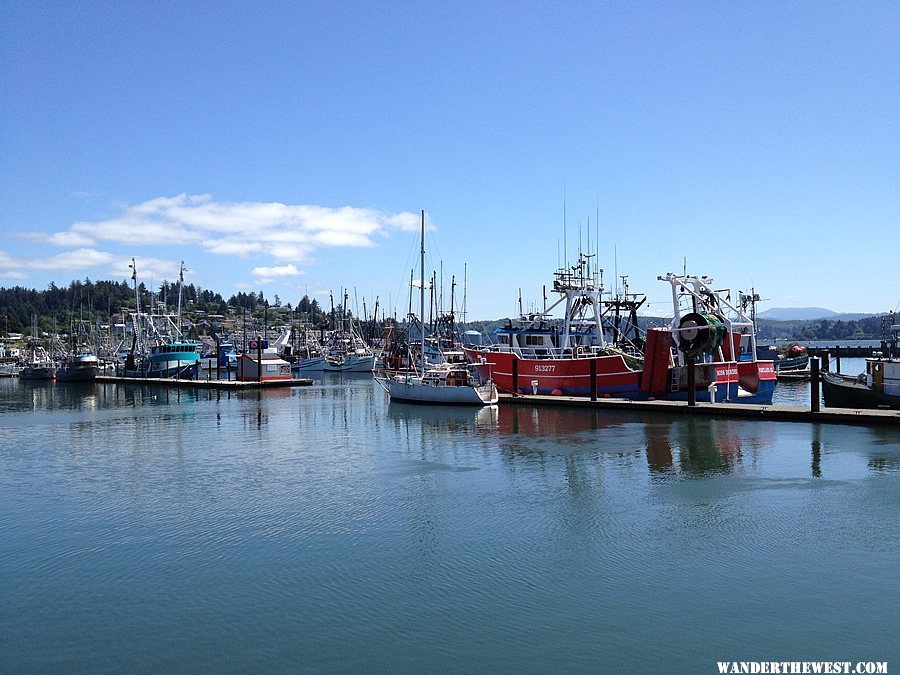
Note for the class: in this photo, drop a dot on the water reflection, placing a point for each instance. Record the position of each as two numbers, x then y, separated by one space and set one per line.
817 453
671 445
579 444
443 419
706 446
833 446
676 447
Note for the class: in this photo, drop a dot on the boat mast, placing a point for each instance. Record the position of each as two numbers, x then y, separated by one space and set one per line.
180 287
137 298
422 291
462 312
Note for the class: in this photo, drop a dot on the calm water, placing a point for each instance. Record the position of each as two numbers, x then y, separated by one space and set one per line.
323 529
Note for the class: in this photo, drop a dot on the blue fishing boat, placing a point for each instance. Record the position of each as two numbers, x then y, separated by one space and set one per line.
158 349
179 360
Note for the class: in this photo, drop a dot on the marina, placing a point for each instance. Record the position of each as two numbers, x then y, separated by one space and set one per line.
153 528
436 338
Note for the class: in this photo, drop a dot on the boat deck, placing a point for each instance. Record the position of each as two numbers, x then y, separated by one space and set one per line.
781 413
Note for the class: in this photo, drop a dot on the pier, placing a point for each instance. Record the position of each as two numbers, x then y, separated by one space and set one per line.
779 413
229 385
852 351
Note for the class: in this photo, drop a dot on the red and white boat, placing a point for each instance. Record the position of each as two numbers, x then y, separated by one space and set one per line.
572 356
717 337
542 355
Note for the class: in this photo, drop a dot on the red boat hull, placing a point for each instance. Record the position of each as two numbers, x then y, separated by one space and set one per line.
741 381
571 377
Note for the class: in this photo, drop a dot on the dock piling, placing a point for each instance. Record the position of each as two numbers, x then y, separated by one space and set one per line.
259 359
814 397
691 382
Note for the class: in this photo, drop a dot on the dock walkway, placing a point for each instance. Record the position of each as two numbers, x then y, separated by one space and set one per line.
230 385
781 413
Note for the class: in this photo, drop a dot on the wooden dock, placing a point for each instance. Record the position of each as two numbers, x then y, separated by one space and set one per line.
229 385
780 413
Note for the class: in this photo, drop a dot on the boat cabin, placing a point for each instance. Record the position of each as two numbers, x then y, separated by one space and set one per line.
266 369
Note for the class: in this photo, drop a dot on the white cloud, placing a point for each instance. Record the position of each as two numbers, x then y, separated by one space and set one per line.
288 235
67 239
71 261
238 247
10 268
283 271
286 232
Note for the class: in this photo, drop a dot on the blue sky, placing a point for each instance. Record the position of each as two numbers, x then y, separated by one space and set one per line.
289 147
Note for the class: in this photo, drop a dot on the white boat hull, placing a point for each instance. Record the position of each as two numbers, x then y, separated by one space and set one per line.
351 363
414 390
310 365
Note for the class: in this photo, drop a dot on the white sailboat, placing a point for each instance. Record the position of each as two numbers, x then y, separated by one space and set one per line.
445 383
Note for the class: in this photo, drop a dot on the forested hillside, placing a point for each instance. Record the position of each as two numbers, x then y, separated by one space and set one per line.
56 307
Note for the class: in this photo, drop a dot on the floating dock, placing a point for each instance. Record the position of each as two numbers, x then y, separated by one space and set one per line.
780 413
229 385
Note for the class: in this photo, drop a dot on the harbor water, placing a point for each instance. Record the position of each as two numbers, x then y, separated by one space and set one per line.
323 528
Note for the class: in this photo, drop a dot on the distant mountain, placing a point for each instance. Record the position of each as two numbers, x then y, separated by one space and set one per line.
796 314
808 314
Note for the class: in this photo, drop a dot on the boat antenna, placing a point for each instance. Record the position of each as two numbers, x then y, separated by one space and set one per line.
589 246
565 243
616 265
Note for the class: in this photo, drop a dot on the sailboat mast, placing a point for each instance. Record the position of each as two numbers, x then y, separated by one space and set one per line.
422 290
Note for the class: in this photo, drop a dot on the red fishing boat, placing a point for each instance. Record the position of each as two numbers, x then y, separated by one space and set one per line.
572 356
541 355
